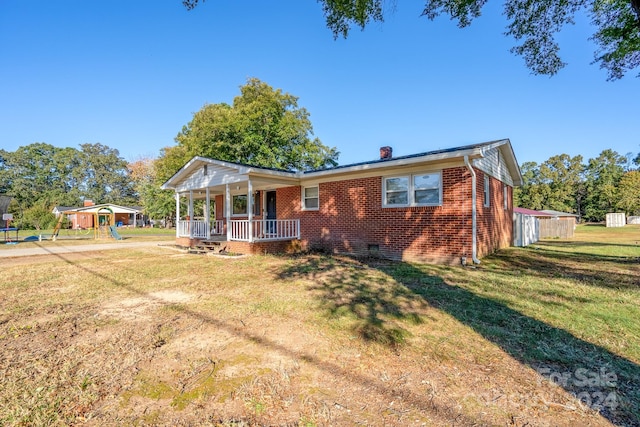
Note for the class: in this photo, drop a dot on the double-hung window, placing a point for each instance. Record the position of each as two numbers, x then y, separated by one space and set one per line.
505 196
426 189
422 189
396 191
487 191
310 198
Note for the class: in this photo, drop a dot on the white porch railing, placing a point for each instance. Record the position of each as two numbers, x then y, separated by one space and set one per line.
217 227
193 228
262 229
276 229
239 230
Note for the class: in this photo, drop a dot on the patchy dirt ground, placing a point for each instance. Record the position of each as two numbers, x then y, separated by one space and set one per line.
234 342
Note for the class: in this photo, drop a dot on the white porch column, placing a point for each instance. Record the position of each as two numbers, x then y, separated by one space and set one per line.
207 213
177 214
227 210
191 214
250 208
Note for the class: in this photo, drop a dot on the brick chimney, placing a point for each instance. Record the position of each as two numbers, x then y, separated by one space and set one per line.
386 152
88 203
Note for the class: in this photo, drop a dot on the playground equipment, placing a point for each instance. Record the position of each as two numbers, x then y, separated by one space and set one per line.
101 222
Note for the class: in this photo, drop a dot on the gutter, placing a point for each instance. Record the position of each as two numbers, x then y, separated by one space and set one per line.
474 220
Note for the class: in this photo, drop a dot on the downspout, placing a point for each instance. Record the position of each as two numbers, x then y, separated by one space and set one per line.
474 221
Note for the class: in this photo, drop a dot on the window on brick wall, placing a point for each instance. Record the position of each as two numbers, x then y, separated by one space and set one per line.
257 206
310 198
424 189
239 204
505 192
487 191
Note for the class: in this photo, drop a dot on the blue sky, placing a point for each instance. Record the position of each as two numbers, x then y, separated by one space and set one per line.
129 75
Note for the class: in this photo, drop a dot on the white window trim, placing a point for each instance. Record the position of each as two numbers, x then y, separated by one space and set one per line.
240 214
410 190
505 195
304 198
487 191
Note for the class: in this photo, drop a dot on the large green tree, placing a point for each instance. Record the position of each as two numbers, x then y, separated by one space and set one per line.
531 194
156 203
38 172
102 175
555 184
563 176
263 127
532 23
629 191
602 176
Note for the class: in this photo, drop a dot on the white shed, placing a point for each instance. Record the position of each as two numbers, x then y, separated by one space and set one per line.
617 219
526 228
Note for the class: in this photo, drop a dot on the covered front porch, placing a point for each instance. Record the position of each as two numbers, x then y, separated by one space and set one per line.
225 201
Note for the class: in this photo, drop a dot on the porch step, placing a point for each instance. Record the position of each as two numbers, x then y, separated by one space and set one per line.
210 243
207 246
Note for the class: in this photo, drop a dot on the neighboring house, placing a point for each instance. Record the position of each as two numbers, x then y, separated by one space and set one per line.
84 217
59 210
440 206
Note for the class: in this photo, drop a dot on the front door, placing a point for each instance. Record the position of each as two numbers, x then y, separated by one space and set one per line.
270 198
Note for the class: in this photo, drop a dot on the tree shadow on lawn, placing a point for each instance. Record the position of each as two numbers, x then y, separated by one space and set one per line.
442 413
602 380
593 270
573 246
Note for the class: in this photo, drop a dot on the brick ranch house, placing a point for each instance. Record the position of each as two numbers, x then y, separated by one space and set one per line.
442 206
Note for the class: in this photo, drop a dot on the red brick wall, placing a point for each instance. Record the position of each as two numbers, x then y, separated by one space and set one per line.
288 246
495 223
219 206
351 219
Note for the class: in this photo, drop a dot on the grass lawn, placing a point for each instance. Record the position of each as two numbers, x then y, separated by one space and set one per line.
544 335
88 234
85 237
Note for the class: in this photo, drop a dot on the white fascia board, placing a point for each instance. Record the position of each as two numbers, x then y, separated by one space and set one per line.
255 171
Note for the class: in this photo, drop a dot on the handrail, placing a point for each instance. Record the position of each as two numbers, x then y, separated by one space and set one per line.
261 229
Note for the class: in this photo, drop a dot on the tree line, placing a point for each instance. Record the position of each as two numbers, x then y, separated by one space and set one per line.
607 183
